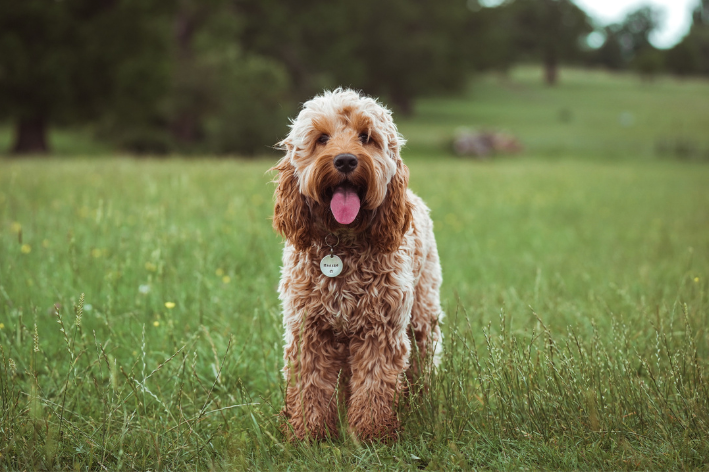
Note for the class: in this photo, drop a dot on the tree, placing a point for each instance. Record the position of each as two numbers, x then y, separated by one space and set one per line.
700 15
610 54
648 63
636 30
222 99
628 43
397 49
488 44
549 30
691 55
68 61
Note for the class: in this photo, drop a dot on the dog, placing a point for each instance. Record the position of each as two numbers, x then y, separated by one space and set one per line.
361 276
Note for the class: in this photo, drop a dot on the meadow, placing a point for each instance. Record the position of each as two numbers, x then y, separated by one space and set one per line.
140 327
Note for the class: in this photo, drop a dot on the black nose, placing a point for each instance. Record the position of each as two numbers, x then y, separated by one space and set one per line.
345 163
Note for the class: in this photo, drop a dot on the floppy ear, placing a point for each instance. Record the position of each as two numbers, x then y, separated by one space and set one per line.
291 214
393 217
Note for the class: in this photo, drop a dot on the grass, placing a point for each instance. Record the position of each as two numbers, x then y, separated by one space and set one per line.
64 142
592 115
139 324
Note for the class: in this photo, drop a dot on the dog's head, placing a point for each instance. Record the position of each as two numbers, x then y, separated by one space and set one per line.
342 171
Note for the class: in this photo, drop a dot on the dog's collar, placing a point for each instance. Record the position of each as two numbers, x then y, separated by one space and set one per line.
329 237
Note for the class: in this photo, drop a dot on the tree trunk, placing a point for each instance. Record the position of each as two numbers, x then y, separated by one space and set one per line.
184 127
30 136
184 124
551 70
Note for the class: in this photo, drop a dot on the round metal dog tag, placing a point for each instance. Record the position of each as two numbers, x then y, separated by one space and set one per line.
331 265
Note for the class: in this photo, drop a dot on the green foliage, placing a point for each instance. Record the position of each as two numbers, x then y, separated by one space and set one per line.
636 29
610 55
68 62
152 77
410 49
548 31
685 58
221 76
254 106
691 55
397 50
550 27
627 44
488 44
217 98
649 63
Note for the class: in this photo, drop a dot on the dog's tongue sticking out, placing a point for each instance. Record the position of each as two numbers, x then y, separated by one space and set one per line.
344 205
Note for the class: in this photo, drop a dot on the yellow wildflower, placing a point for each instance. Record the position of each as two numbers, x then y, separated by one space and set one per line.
95 252
26 249
169 305
2 325
219 272
696 279
15 227
156 323
226 279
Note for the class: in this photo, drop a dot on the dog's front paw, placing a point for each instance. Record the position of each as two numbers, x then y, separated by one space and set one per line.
374 424
316 428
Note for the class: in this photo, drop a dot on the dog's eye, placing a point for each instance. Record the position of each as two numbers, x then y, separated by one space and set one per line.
364 138
323 139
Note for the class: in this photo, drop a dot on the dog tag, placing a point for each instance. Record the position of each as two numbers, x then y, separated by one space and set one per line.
331 265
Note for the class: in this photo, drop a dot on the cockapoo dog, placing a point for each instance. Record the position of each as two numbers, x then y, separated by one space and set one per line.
361 276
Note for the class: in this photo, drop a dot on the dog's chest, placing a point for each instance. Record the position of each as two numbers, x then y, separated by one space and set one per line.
344 297
353 299
369 286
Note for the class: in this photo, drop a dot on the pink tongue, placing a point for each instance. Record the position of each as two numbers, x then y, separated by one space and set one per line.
345 205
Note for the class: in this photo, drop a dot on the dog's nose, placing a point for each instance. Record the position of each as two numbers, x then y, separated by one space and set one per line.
345 163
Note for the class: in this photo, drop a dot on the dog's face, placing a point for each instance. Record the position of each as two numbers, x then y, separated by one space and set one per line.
342 170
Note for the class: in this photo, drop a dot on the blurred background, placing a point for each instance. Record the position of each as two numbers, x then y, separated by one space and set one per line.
221 77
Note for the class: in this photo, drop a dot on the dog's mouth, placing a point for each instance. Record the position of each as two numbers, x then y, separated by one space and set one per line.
345 202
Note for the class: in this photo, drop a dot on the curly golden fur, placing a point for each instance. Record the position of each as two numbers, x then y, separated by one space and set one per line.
352 333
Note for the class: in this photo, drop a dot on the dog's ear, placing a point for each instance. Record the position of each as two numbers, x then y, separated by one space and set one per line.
393 217
291 214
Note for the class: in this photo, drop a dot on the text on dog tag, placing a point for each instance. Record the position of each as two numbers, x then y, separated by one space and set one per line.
331 265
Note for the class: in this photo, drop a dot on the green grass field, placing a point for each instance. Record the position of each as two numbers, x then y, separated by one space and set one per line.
575 282
590 114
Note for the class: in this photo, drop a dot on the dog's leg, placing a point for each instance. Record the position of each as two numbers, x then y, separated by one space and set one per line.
425 318
313 362
379 355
